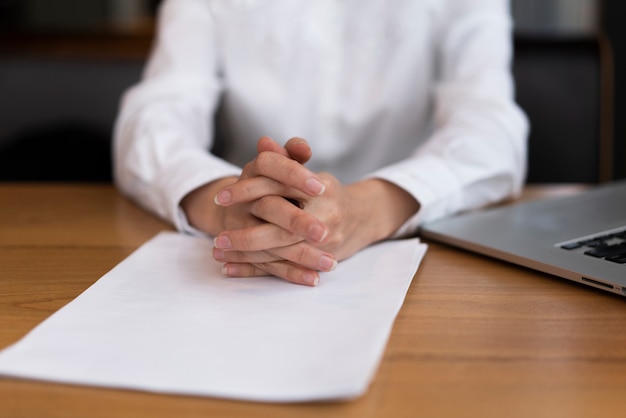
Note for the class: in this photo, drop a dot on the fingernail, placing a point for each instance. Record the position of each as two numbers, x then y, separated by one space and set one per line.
218 254
222 198
327 263
317 233
315 186
230 270
222 242
310 279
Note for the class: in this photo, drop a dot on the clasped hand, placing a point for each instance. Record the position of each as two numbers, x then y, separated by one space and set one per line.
279 218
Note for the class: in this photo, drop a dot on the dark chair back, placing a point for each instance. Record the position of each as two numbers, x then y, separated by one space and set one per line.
565 87
57 116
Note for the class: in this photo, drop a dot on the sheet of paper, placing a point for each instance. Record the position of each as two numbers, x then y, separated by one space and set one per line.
166 320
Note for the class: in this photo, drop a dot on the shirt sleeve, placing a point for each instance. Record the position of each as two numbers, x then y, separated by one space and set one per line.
477 152
164 128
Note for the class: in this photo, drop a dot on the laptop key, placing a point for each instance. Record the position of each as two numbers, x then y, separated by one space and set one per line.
621 259
608 250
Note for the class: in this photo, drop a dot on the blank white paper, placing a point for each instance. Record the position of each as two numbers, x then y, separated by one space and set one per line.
166 320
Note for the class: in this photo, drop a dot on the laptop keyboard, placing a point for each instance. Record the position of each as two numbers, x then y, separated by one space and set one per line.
609 245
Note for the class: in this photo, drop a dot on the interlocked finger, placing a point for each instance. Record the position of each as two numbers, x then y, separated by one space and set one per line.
283 269
300 253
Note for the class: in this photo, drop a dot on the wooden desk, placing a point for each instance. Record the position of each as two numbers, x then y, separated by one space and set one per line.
475 337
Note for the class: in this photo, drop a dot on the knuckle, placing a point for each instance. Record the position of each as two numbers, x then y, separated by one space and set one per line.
292 274
260 269
264 159
242 241
262 205
246 188
302 255
296 223
287 237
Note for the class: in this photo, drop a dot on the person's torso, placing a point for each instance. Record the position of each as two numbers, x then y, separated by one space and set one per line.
354 77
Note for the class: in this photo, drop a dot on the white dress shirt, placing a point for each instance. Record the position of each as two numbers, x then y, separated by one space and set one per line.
416 92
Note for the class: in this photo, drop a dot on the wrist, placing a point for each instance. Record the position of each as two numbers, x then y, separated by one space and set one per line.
200 209
384 206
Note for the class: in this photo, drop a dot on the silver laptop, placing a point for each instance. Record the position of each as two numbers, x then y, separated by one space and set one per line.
580 238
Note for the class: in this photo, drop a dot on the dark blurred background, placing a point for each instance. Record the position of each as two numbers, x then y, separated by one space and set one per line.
63 67
65 63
